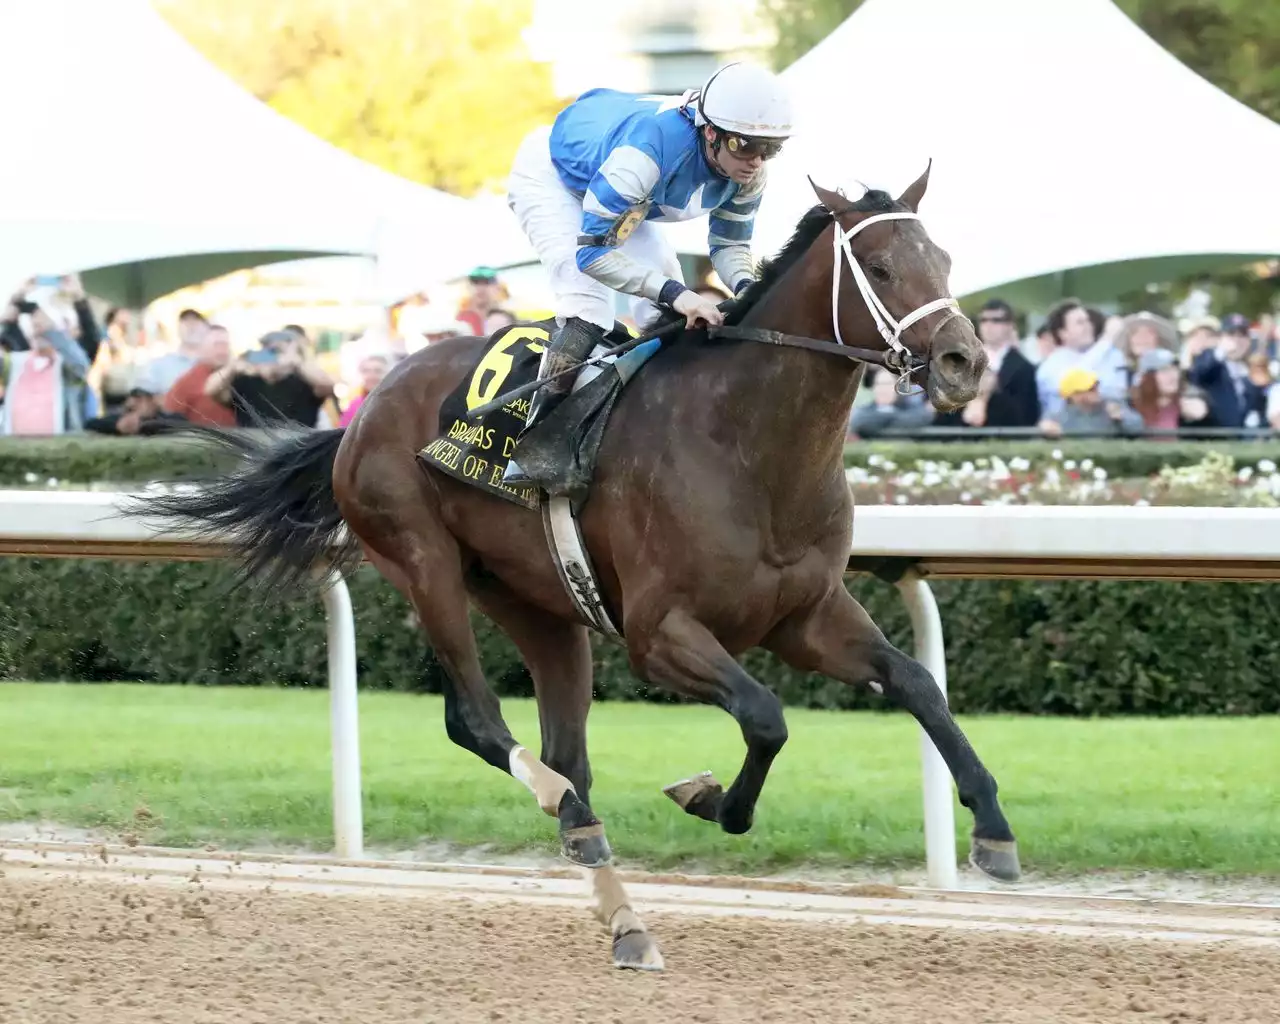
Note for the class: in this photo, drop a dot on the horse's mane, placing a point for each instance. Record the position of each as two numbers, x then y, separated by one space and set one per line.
811 225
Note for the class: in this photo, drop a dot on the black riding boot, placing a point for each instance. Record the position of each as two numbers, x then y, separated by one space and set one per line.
569 346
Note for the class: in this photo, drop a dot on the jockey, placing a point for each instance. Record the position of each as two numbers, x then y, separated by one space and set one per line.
585 189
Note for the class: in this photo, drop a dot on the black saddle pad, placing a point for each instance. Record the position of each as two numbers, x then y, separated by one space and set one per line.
477 452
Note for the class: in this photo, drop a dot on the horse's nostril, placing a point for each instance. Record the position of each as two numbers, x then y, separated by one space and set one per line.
953 364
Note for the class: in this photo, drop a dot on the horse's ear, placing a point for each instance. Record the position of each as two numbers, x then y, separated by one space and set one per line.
831 200
915 191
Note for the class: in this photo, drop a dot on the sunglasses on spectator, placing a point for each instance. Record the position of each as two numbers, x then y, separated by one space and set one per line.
742 146
995 318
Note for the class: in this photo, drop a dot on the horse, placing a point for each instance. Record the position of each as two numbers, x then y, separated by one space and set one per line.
719 520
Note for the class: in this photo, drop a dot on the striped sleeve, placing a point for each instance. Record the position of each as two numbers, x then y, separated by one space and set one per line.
729 234
628 176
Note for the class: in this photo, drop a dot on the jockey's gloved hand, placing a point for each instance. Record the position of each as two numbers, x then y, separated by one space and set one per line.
693 307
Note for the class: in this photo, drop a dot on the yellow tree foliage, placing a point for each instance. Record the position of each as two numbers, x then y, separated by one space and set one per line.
439 91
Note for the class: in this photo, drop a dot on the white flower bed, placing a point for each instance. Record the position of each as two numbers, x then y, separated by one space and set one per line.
1216 480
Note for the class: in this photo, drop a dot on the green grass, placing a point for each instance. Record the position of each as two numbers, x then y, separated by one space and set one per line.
250 767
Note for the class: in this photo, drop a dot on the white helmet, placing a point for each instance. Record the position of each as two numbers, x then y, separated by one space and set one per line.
747 100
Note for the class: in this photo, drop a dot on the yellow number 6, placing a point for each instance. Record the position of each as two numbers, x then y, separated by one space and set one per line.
496 364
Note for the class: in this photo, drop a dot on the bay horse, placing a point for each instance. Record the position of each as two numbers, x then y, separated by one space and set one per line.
719 520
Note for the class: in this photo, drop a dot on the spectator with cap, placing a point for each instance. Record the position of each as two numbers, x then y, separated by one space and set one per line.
1085 410
280 383
484 295
1221 369
1007 395
1162 397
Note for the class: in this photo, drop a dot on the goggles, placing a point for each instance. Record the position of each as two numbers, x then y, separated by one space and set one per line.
747 148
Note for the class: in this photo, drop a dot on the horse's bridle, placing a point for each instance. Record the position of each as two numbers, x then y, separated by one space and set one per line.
889 329
897 358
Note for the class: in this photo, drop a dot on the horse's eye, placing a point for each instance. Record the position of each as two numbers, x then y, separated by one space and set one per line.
878 271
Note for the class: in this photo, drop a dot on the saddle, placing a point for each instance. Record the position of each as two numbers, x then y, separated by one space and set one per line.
559 453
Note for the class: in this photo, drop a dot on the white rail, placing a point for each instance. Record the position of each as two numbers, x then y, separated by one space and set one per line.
908 543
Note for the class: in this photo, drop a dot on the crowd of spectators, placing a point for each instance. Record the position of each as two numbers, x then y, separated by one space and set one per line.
63 371
1082 373
1087 374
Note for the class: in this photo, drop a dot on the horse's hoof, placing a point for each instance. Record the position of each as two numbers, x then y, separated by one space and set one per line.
587 846
699 796
582 836
636 951
995 858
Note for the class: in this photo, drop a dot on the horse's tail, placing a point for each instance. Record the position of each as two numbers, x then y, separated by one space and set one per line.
277 507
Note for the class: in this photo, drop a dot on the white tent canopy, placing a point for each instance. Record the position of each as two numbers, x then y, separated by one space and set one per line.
1071 153
140 162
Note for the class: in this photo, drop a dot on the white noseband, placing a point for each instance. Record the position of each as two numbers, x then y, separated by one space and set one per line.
891 330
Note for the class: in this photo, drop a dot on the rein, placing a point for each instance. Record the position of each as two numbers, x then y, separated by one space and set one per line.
890 359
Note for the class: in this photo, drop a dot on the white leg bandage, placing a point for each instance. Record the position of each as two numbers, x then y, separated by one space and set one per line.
546 786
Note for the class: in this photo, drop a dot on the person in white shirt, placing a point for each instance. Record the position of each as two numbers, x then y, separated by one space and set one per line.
1078 348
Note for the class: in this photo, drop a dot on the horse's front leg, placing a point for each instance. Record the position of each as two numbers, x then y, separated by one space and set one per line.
837 638
680 654
558 656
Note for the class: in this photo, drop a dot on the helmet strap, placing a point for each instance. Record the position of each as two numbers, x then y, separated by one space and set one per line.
713 147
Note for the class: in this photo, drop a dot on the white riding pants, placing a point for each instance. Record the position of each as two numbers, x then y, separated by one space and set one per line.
551 216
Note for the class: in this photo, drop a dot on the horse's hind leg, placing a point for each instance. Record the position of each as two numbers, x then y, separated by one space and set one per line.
558 656
473 715
838 639
680 654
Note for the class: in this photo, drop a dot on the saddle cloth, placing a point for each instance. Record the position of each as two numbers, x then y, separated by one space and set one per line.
477 452
560 451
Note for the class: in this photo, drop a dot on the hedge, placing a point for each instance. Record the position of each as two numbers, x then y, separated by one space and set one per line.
92 458
112 460
1069 648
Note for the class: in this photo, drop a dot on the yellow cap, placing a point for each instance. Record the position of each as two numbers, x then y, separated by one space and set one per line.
1076 382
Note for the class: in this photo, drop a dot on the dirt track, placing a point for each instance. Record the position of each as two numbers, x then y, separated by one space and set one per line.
119 940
